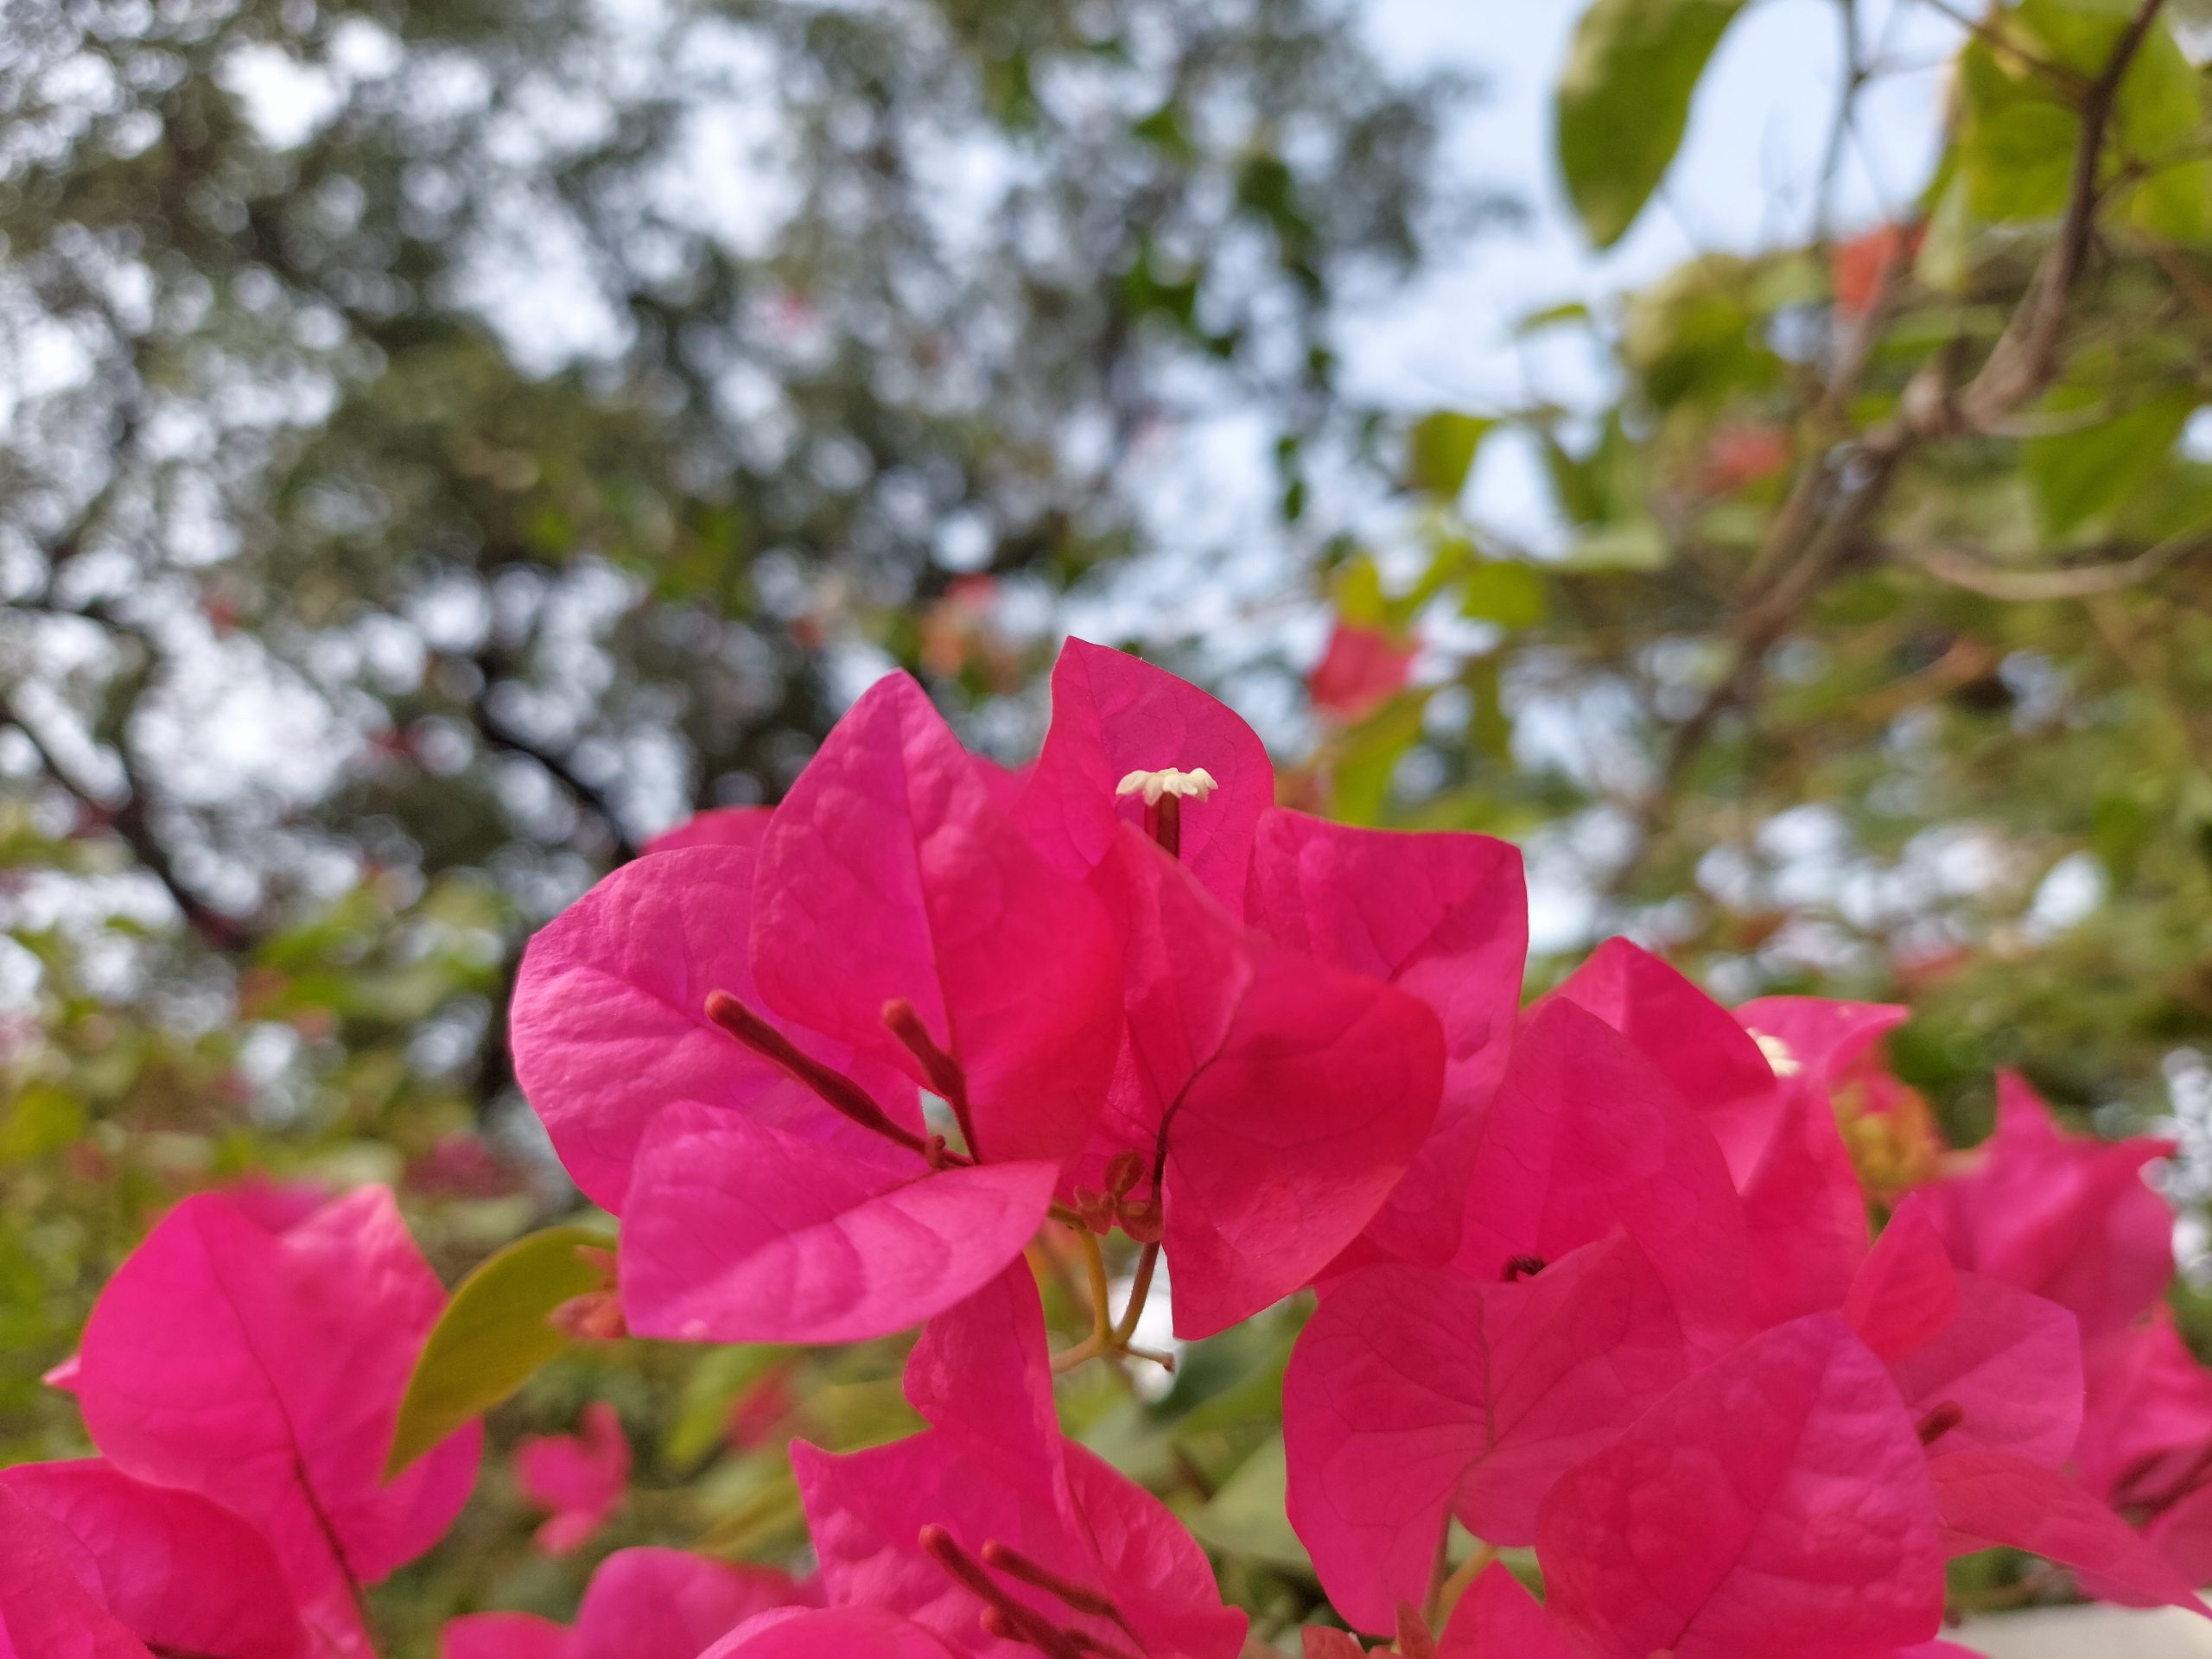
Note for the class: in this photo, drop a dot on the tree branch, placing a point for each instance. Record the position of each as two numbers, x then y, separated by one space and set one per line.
2082 582
132 825
502 736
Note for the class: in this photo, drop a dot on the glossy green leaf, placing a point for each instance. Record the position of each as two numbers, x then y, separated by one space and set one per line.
1624 102
1442 452
494 1335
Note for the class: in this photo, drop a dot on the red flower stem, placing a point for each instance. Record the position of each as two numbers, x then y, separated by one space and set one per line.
943 1072
1164 821
840 1091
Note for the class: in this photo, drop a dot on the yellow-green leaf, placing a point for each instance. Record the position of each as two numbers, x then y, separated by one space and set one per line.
493 1336
1624 101
1442 451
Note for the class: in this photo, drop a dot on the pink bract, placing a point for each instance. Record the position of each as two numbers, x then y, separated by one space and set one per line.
745 1233
891 874
181 1573
1442 917
1776 1502
641 1604
993 1475
1362 669
1274 1101
719 826
219 1360
2068 1217
1584 1135
1416 1394
580 1477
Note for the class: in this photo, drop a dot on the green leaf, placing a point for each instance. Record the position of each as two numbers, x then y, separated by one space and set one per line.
1248 1517
2076 475
1632 544
2017 137
1511 595
1624 101
493 1336
1442 451
1357 595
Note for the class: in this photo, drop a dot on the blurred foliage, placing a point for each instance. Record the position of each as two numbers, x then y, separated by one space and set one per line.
445 445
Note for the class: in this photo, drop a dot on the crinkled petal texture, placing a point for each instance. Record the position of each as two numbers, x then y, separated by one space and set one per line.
890 873
2146 1419
180 1573
580 1477
1114 714
1278 1099
609 1023
835 1633
1991 1498
1443 917
741 1232
1415 1394
266 1370
641 1604
2070 1218
1698 1046
1583 1136
1498 1619
1777 1502
48 1608
993 1468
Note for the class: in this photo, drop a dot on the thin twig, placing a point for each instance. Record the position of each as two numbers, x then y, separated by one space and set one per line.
1964 570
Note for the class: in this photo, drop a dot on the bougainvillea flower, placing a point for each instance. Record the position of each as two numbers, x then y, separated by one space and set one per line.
2182 1532
181 1573
1362 669
2146 1417
1114 715
844 1632
1776 1502
992 1529
902 933
1271 1101
1805 1214
719 826
1991 1498
1714 1063
264 1371
1498 1619
1414 1395
1983 1365
1583 1136
641 1604
1442 917
580 1477
2070 1218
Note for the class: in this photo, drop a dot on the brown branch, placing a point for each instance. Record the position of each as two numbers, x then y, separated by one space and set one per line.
134 828
1992 582
1851 482
501 735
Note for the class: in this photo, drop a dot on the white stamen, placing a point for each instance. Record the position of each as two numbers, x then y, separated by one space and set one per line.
1777 1053
1194 784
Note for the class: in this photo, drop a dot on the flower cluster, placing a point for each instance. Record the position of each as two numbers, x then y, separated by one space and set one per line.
1595 1278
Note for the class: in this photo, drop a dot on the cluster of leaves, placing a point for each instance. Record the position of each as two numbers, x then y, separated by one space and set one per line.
1873 654
1596 1277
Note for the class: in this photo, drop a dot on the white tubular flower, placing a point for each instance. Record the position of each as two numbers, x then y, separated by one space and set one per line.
1777 1053
1194 784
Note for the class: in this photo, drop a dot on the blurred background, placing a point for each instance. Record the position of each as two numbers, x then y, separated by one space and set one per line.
444 445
